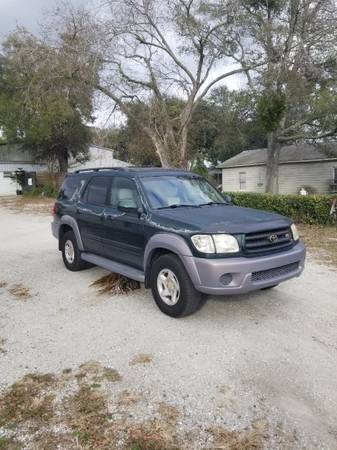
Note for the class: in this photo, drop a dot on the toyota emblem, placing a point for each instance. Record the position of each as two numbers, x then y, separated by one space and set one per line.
273 238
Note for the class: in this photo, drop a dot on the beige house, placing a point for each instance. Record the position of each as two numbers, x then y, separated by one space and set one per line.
311 167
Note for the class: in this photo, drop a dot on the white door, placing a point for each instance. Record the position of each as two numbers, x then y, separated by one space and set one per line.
7 185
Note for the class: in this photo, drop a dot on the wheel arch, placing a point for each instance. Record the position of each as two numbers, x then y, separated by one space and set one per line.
68 223
163 243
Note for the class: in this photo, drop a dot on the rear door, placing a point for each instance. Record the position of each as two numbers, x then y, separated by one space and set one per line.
124 226
90 213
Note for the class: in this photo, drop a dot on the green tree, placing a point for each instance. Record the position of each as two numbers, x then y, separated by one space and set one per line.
296 87
41 104
140 63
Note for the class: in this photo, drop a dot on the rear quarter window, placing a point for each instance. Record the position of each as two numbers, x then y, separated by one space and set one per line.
97 191
70 187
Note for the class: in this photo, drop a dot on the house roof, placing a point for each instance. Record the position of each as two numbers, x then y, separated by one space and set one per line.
299 153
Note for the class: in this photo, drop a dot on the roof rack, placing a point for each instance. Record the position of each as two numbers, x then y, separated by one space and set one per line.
97 169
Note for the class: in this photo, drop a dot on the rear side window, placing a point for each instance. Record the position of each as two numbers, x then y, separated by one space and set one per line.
70 186
96 192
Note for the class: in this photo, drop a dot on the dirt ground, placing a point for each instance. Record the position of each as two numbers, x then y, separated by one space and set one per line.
89 371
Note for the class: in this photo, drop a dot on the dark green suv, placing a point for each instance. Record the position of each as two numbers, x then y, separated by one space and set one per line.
171 230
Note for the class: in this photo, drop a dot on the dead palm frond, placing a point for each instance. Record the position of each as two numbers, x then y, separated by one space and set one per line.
115 284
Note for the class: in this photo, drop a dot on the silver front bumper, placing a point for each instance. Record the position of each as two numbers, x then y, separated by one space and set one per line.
248 274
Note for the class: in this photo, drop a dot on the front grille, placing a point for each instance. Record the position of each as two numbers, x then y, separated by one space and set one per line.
268 241
269 274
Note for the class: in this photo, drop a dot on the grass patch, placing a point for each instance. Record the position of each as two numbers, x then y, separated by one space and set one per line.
141 358
2 346
66 411
115 284
128 398
22 203
20 292
111 375
9 444
154 435
322 240
168 412
88 417
27 399
249 439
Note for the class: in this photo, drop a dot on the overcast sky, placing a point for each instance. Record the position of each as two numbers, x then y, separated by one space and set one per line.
28 13
31 13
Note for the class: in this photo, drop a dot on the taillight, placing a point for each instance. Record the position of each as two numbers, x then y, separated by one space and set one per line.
53 210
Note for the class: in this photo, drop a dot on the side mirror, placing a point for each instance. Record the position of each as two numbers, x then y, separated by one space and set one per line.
228 198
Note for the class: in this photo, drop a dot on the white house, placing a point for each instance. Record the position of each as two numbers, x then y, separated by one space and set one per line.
98 157
313 167
12 158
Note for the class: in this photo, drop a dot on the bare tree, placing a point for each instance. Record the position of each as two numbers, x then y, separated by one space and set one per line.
298 84
148 50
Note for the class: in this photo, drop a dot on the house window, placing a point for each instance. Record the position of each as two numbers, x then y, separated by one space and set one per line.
242 181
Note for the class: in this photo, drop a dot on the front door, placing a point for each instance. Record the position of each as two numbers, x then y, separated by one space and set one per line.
90 213
124 227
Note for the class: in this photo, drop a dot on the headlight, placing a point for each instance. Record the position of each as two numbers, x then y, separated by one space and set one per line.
225 243
203 243
294 231
216 243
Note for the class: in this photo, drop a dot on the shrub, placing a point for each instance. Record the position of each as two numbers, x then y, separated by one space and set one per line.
310 209
48 190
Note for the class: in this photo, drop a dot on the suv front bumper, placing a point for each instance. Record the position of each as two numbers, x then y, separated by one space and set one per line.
241 275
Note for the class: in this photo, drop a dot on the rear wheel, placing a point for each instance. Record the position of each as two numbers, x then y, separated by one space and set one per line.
172 288
71 254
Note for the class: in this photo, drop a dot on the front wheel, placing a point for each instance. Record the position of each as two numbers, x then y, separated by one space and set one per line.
172 288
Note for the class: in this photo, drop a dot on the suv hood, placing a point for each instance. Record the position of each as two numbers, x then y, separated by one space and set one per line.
218 219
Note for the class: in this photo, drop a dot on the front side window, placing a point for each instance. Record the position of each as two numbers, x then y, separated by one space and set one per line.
124 193
96 192
173 191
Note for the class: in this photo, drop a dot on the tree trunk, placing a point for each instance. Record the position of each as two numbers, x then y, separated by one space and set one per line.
162 153
273 157
62 158
183 148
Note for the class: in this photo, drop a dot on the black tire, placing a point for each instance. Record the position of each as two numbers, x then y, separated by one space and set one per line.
269 287
189 301
77 263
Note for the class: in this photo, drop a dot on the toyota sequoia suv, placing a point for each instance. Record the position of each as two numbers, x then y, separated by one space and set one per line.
174 232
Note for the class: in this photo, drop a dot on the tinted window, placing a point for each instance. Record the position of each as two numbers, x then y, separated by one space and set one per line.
97 190
70 186
124 193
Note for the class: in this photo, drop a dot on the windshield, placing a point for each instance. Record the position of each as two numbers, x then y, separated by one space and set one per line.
173 191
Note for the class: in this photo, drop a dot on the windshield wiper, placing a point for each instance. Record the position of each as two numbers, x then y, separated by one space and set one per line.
179 206
213 203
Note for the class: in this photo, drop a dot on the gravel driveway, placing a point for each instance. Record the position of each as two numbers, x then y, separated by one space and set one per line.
265 359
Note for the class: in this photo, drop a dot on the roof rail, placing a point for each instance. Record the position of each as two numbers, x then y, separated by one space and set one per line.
97 169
